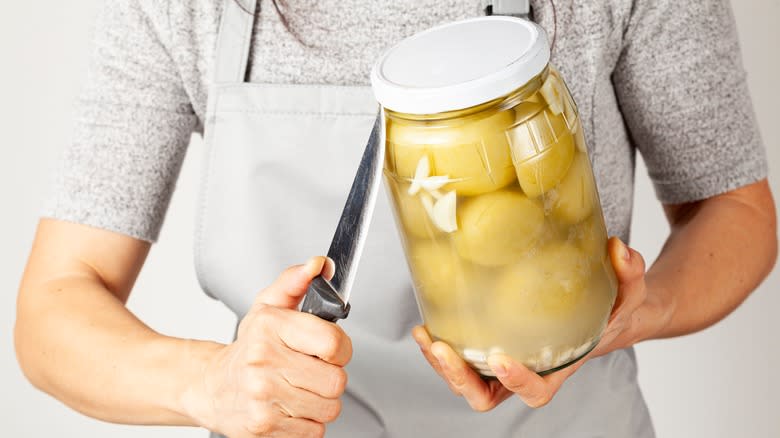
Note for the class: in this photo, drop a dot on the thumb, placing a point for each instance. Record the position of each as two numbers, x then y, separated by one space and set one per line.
628 264
290 287
630 272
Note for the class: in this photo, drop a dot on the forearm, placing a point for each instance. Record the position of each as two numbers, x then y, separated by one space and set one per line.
77 341
718 252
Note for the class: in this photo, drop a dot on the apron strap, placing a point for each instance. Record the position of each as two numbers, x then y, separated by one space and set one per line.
234 40
516 8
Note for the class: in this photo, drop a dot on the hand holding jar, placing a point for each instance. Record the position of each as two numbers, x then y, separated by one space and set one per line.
628 324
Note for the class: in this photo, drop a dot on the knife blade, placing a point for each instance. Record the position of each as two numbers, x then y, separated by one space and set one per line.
329 299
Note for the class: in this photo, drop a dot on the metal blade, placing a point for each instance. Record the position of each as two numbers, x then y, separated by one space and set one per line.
347 244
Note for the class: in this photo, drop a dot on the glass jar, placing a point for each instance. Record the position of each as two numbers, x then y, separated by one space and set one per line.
497 206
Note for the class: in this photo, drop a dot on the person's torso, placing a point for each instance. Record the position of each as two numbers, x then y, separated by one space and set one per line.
280 158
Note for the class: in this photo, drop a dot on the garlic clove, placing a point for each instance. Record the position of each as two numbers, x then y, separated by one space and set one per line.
434 182
427 202
444 211
437 194
422 172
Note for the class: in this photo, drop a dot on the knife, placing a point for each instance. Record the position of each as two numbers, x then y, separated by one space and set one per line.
330 299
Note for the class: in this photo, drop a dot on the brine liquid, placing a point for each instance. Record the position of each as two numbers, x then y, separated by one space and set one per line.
503 231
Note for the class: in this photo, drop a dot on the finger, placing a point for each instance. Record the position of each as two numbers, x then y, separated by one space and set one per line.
314 375
300 403
308 334
423 339
528 385
628 263
534 390
329 270
300 427
630 270
464 379
290 287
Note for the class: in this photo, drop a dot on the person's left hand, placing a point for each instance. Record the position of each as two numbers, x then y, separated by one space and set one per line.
626 327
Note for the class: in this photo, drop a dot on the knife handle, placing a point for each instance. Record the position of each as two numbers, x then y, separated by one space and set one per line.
323 301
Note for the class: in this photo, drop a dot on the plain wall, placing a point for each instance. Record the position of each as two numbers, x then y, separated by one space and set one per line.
718 383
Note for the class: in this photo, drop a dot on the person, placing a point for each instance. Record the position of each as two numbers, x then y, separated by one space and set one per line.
279 91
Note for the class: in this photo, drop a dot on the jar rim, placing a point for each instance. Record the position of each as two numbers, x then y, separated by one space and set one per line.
460 65
501 103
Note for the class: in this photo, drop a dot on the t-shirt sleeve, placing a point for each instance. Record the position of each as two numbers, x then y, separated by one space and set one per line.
682 90
132 126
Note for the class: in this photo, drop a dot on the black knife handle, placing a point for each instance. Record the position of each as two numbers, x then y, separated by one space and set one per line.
323 301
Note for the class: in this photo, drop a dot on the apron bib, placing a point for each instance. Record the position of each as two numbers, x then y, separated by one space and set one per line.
280 162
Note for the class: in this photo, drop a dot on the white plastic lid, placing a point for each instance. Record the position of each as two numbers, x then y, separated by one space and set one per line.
460 64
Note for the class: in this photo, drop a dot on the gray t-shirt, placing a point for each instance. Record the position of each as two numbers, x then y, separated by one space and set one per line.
659 76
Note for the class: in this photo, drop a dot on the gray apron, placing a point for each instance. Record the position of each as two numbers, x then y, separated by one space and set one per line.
280 160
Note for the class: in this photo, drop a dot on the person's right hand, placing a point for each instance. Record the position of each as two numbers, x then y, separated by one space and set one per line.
284 374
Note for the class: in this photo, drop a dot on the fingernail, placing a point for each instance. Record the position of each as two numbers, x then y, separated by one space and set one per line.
499 367
330 268
442 362
625 254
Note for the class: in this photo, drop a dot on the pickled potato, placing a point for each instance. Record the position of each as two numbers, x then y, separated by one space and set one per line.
438 273
542 151
473 153
575 196
548 285
498 228
528 109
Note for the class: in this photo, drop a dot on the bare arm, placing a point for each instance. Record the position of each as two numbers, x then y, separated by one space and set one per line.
718 252
76 340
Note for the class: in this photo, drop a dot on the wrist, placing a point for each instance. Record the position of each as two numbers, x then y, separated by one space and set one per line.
655 314
191 399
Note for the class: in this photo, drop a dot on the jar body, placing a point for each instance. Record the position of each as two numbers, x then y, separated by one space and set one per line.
502 227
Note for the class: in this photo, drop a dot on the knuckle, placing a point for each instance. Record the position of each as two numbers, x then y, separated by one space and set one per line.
260 422
260 323
260 388
539 401
259 351
457 378
332 411
266 317
331 343
482 406
318 430
258 311
520 387
338 382
347 341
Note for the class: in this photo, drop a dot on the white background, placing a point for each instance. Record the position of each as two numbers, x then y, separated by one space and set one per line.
718 383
